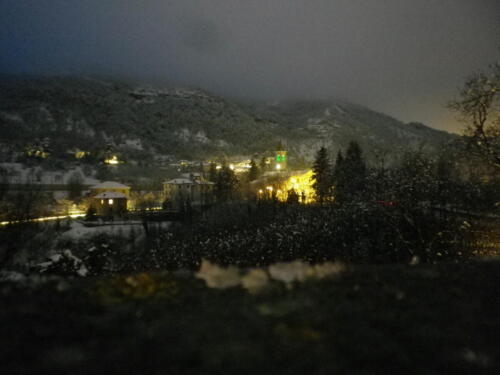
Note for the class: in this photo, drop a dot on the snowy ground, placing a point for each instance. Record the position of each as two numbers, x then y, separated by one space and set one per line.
79 230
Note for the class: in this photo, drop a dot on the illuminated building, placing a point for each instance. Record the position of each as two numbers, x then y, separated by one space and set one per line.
110 198
281 158
190 188
282 185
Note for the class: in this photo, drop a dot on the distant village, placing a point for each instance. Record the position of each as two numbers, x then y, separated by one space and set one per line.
198 185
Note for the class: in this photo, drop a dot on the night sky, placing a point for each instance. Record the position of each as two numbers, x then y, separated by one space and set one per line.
406 58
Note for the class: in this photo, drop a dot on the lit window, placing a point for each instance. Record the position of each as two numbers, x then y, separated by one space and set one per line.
102 201
110 201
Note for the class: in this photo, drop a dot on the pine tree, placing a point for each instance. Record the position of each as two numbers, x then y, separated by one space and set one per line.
354 160
339 177
337 169
350 174
322 179
355 167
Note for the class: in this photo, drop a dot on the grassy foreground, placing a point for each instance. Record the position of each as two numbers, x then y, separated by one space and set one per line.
425 319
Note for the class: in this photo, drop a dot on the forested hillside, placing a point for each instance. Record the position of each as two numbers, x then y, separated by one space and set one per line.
64 115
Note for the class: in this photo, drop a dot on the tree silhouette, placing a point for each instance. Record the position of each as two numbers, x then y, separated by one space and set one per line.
478 106
225 184
253 173
349 174
322 179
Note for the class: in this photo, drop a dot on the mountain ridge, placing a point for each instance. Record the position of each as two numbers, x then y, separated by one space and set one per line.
143 123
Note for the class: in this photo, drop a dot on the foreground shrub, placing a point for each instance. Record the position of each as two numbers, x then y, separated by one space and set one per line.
366 233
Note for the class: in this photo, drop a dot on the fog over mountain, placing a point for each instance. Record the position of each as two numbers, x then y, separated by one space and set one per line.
400 57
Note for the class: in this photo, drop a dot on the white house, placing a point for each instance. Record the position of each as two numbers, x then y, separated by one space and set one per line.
189 189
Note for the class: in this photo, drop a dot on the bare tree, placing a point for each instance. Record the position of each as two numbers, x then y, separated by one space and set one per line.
478 106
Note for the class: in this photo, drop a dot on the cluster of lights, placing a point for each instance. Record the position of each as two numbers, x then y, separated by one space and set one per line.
147 209
240 167
112 161
270 191
38 153
301 184
41 219
74 210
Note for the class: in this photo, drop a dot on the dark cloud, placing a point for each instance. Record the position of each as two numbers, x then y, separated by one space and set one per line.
203 36
402 57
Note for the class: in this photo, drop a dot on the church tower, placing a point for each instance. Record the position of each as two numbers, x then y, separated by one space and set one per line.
281 158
